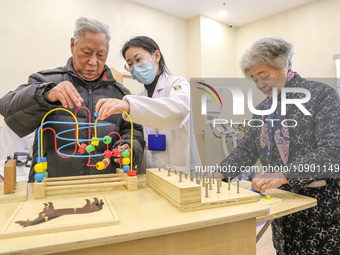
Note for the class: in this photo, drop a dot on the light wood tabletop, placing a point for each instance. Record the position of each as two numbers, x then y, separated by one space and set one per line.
291 203
149 224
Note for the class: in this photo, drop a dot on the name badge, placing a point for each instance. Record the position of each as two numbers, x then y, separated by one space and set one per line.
156 142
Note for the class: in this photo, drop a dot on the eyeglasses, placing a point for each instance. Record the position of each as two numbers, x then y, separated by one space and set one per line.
139 62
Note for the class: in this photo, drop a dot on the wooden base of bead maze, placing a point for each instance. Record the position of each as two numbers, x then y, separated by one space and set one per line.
85 183
187 195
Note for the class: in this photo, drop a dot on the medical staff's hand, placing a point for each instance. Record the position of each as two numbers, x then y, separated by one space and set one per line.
108 106
64 92
266 181
123 147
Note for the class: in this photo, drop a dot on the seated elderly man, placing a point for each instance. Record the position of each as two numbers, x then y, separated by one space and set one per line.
81 83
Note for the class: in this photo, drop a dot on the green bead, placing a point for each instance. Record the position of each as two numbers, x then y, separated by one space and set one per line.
107 139
89 148
125 153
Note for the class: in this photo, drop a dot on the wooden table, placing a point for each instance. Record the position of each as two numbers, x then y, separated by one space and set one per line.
149 224
291 203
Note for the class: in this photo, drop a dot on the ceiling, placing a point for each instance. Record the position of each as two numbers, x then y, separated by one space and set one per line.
240 12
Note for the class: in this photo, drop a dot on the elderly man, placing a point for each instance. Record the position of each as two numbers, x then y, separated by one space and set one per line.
81 83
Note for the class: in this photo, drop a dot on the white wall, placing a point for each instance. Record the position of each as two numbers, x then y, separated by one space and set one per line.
313 29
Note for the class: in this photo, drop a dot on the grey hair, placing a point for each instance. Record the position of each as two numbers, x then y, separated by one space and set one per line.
90 25
272 51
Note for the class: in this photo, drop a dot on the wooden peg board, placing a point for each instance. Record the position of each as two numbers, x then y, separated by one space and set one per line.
84 183
30 211
20 193
188 196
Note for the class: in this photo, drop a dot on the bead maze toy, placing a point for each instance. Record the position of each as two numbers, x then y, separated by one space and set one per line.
13 190
125 175
197 191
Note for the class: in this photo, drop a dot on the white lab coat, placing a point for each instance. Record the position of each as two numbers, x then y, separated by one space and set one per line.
167 112
11 143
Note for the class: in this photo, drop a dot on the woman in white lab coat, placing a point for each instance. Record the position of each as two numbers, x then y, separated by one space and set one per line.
162 107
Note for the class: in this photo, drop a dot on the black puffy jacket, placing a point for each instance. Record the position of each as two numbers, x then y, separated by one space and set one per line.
25 107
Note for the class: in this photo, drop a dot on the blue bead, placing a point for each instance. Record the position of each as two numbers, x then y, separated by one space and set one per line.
126 168
95 114
39 177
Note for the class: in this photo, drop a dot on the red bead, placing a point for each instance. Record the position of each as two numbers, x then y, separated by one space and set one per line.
107 154
115 152
82 148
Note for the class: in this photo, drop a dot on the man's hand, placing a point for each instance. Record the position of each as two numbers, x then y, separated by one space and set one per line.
108 106
64 92
266 181
123 147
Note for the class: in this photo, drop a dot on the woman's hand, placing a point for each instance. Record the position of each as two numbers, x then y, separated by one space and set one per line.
266 181
108 106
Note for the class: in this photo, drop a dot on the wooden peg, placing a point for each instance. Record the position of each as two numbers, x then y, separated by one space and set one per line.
220 182
203 180
46 218
210 184
238 186
229 183
206 190
159 169
186 176
169 171
180 176
218 185
213 177
175 171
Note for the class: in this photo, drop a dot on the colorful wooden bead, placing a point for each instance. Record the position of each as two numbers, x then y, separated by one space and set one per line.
103 164
95 142
107 154
39 177
125 153
82 148
126 161
115 152
107 139
39 168
126 168
89 148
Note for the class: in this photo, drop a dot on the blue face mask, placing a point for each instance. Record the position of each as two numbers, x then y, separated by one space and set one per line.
144 74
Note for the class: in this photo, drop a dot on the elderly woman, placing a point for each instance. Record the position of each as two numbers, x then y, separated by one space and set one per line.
308 142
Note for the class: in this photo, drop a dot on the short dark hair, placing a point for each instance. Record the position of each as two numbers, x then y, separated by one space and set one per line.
149 45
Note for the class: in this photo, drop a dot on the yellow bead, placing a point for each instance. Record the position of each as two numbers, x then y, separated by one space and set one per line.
100 165
95 143
126 161
39 168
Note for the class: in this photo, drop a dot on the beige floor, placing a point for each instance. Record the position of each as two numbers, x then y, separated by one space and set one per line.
265 244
